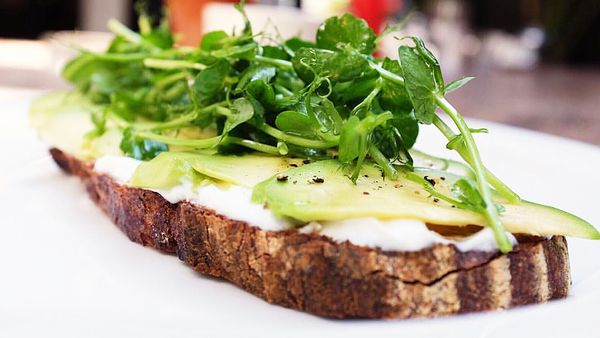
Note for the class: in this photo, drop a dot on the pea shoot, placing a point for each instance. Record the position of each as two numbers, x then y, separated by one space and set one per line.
322 99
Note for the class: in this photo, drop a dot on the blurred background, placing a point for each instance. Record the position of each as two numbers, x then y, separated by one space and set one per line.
537 62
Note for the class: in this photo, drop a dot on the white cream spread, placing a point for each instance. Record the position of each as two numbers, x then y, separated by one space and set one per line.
235 202
121 168
399 234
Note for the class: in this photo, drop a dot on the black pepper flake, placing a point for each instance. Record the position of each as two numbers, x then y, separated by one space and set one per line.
454 206
430 180
442 178
282 178
293 165
307 161
294 182
366 193
318 179
435 200
365 175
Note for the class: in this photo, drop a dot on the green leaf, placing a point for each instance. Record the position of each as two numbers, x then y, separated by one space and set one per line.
352 141
161 38
263 93
253 73
213 40
289 80
241 111
246 51
468 195
329 117
346 30
431 62
295 43
79 70
407 126
394 97
139 148
355 137
419 82
397 135
210 82
295 123
275 52
338 66
456 84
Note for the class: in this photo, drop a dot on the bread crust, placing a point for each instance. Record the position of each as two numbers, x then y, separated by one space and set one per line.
313 273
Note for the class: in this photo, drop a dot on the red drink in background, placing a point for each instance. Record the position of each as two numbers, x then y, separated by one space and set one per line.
375 12
186 15
186 19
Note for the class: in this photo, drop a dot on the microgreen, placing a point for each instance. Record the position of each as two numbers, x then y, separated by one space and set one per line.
317 99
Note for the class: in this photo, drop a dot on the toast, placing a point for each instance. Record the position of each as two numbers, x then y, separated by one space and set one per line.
313 273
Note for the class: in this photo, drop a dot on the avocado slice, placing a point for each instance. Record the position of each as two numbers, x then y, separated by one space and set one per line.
62 120
169 168
247 170
320 191
165 171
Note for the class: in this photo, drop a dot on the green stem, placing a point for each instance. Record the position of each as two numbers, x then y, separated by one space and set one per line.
412 176
284 91
172 64
368 100
167 80
502 188
383 162
386 74
211 142
264 148
274 62
117 57
121 30
175 123
144 24
491 213
299 141
199 143
175 91
179 121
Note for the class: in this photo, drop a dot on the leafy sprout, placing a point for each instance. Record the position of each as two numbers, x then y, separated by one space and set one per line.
330 98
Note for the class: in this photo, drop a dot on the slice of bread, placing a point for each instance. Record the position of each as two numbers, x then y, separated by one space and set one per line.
313 273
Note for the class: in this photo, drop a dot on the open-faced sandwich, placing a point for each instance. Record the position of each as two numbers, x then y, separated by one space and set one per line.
287 168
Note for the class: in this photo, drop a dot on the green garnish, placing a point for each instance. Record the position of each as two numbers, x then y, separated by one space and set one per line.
326 99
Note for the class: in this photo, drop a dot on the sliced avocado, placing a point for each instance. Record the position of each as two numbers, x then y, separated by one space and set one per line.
320 191
62 119
167 169
422 159
246 170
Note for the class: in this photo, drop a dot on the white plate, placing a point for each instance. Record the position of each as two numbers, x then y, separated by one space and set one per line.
66 271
